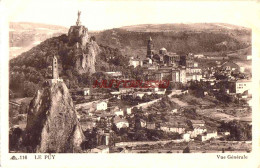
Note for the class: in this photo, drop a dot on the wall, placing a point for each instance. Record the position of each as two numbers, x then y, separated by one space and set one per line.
147 142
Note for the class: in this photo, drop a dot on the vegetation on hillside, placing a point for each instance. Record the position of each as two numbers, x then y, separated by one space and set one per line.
30 69
185 41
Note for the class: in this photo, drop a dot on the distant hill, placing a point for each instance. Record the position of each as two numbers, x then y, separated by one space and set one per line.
212 27
25 35
196 38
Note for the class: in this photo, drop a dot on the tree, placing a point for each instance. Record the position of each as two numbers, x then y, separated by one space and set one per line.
186 150
30 88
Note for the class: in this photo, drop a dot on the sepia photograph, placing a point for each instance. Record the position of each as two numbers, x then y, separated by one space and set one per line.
130 77
146 88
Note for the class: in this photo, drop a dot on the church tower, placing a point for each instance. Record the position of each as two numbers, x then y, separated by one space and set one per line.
150 51
55 71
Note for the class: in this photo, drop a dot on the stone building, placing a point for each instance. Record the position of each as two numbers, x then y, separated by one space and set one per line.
243 85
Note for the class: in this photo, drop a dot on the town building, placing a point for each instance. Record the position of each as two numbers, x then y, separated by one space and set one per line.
173 127
150 125
142 123
230 66
135 62
197 130
128 110
208 135
115 74
186 137
242 86
187 60
195 123
119 112
121 123
171 59
102 105
86 91
198 56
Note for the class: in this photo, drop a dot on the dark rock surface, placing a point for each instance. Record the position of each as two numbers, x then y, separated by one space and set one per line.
52 125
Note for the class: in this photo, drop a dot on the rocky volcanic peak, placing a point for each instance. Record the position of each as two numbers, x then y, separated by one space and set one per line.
85 48
52 124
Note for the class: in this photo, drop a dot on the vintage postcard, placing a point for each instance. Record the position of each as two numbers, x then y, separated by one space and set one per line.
130 83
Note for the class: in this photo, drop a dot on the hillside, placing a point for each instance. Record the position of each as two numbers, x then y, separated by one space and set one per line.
176 27
24 35
196 38
30 69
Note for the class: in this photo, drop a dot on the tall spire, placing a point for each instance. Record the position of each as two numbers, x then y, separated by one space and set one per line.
78 23
150 48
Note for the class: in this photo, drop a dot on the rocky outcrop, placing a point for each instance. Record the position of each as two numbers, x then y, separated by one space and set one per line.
78 34
52 124
85 49
86 58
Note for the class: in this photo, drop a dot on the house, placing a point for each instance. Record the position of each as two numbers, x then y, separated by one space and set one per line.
116 94
138 94
193 77
150 125
121 123
198 56
171 59
147 62
86 91
208 135
229 66
135 62
114 74
242 85
160 92
142 122
186 137
128 110
100 149
125 90
226 133
170 127
197 130
119 112
174 111
179 75
102 105
162 74
196 123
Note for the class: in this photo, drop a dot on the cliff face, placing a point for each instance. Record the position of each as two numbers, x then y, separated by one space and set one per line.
86 57
52 124
85 50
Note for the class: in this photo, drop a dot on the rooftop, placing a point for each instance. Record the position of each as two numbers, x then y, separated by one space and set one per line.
197 121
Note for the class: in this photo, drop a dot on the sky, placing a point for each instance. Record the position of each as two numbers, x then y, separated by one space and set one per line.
100 15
